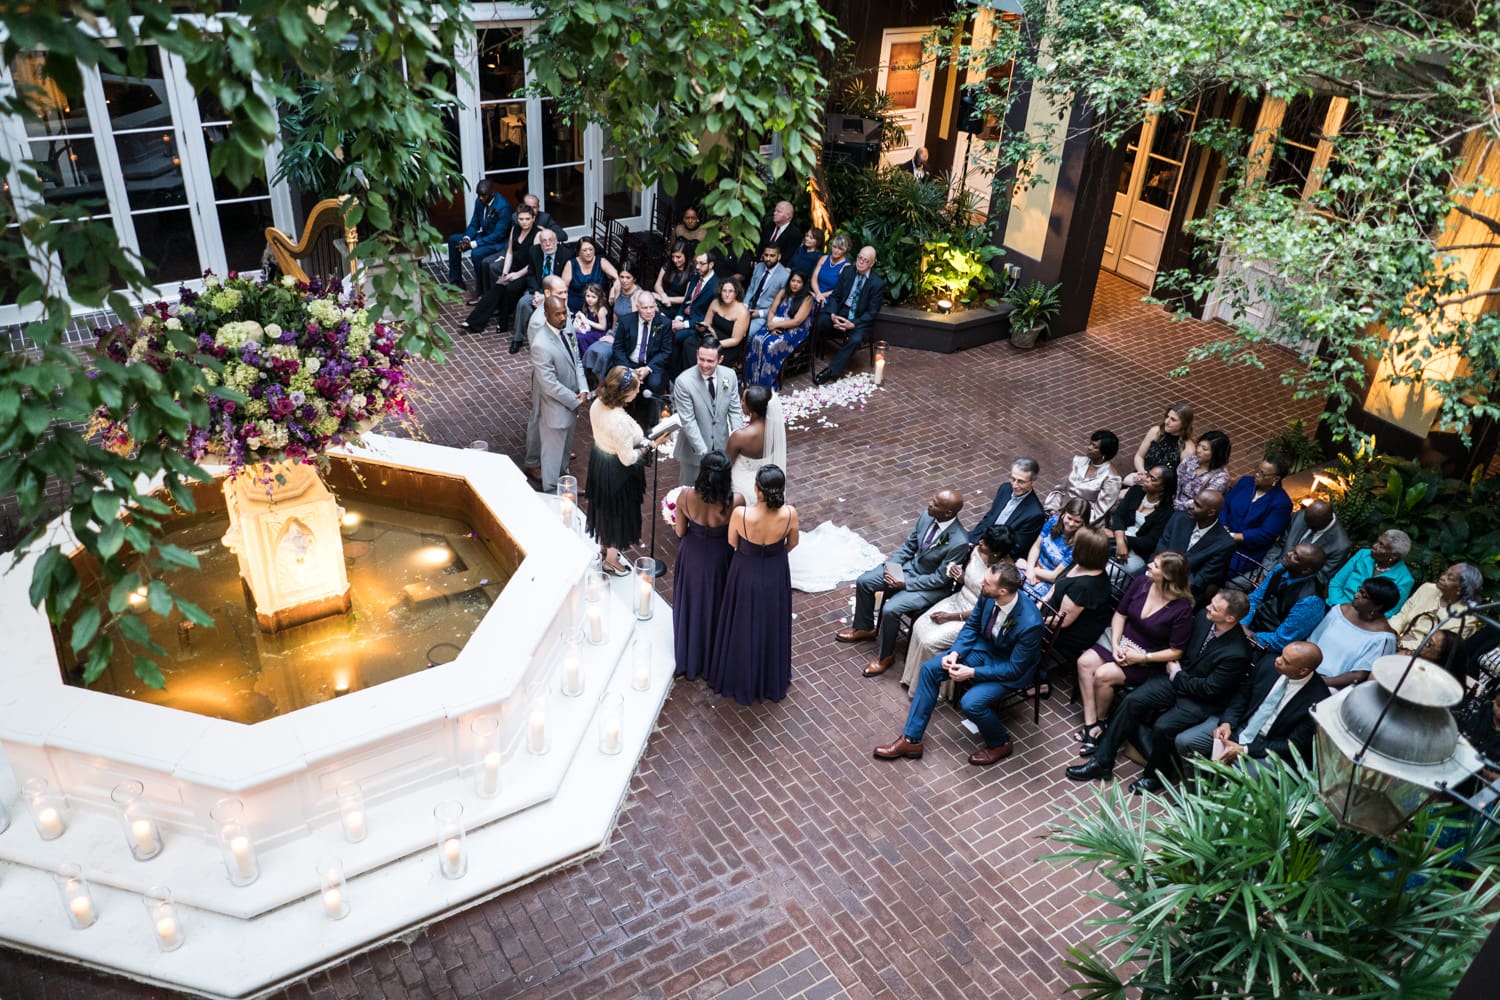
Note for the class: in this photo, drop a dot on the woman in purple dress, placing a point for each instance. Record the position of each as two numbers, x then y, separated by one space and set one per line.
703 553
753 652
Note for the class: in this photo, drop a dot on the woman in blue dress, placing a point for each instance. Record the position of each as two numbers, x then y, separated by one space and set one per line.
585 270
1053 548
828 271
787 327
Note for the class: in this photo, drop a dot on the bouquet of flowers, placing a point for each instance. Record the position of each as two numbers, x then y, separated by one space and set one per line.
291 369
669 506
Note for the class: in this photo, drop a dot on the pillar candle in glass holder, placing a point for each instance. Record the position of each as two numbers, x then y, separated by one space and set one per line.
166 926
78 901
572 662
235 843
46 807
567 499
640 663
611 724
352 812
484 733
142 834
333 891
880 349
538 739
645 588
453 860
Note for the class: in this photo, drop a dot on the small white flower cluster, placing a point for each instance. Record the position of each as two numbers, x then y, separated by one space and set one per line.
239 333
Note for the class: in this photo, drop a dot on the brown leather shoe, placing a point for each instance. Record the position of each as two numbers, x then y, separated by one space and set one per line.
992 755
877 667
855 634
903 747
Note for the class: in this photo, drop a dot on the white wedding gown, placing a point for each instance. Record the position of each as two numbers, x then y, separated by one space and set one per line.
742 473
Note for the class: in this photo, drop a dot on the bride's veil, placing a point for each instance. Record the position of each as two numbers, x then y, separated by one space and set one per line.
775 450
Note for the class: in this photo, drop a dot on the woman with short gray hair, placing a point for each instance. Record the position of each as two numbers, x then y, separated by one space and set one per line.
1431 605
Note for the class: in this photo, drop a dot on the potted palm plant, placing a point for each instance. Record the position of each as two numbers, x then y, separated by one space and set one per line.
1035 307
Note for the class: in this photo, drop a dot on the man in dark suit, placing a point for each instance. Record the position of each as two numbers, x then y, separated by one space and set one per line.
1316 524
1271 713
1193 689
644 344
917 165
999 649
1017 507
1197 534
548 256
857 297
701 292
484 237
780 232
913 579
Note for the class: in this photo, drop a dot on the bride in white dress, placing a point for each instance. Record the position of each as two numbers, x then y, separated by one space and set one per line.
828 554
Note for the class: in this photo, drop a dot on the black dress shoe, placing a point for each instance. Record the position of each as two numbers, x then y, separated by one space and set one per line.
823 377
1092 771
1147 783
516 343
472 329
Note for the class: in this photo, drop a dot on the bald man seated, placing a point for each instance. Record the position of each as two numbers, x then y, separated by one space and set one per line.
1270 715
913 579
1198 534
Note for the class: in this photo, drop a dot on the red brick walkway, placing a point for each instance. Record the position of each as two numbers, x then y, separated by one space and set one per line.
762 852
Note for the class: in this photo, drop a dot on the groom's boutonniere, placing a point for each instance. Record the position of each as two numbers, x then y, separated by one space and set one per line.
723 385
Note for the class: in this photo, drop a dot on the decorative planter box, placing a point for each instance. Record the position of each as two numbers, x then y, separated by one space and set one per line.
922 330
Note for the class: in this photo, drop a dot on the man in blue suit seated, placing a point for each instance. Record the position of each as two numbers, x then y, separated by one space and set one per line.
1000 649
484 238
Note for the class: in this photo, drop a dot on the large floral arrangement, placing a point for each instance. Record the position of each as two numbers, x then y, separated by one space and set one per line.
292 369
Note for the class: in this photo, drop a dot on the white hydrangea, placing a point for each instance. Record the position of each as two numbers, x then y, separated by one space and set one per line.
358 402
325 312
311 365
273 330
288 281
237 334
226 299
173 323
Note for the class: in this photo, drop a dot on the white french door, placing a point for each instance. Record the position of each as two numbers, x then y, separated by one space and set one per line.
1148 186
905 75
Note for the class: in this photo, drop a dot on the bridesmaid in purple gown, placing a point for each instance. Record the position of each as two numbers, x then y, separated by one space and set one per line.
753 652
703 552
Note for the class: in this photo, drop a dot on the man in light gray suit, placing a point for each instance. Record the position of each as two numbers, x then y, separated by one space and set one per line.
769 277
552 287
557 390
707 398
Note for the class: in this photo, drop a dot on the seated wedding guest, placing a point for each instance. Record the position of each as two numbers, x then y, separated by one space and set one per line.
1150 629
729 320
643 344
1386 558
672 281
1166 444
1081 603
999 649
1205 469
1430 605
701 291
623 294
1270 714
1352 635
917 165
1315 524
1197 533
508 271
826 274
913 579
1092 478
597 359
1195 687
1141 516
1286 607
851 310
548 258
1017 507
787 327
591 322
933 632
781 231
703 554
807 256
543 219
588 267
1053 549
690 231
483 238
1257 511
766 281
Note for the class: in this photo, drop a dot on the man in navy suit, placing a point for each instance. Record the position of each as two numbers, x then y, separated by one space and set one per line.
701 292
913 579
484 238
644 344
1197 534
1000 649
1016 506
857 297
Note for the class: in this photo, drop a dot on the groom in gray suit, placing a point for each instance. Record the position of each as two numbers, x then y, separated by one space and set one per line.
913 579
557 390
707 398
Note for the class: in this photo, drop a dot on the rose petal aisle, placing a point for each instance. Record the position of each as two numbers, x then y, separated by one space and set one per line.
804 408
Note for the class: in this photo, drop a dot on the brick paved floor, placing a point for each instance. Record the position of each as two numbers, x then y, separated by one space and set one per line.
762 852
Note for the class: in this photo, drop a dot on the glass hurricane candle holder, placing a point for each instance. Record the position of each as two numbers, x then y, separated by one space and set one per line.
880 351
166 927
453 859
538 734
640 664
572 662
141 832
642 598
595 607
612 724
484 732
352 816
333 890
235 843
46 807
78 901
567 500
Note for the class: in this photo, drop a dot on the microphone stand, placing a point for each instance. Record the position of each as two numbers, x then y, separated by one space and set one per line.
659 567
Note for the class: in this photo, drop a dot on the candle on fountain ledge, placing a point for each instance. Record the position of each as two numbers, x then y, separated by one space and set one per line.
611 724
243 856
163 917
572 675
144 837
50 823
352 812
536 727
596 626
82 911
640 656
489 784
453 857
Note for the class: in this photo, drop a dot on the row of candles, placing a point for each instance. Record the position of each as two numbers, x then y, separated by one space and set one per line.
144 838
596 584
